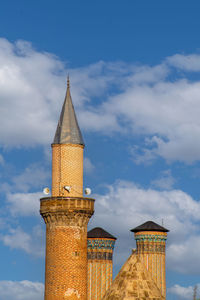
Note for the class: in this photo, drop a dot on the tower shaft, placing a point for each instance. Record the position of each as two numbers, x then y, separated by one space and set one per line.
100 267
67 170
100 251
66 221
151 251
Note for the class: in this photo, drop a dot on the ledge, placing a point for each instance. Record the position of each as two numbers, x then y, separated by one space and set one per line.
66 204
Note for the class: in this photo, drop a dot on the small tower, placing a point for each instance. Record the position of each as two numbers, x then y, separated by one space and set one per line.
100 251
151 239
66 213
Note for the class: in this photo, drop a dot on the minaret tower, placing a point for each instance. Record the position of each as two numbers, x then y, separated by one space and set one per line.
150 240
66 213
100 263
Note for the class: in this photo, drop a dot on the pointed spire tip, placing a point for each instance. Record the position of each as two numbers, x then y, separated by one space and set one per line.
68 82
68 131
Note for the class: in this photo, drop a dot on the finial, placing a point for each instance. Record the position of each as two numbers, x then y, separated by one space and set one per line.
68 82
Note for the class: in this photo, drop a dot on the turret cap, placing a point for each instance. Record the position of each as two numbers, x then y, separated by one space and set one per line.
149 226
99 232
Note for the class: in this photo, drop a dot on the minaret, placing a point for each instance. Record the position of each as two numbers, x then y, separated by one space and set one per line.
100 264
66 213
151 239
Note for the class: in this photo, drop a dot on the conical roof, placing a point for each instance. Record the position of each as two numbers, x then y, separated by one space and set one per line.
68 131
149 226
99 232
133 282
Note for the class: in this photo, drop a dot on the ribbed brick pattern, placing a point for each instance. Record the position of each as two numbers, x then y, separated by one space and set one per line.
151 251
99 279
67 170
99 270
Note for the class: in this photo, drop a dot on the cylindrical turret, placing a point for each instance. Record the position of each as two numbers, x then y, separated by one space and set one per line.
66 213
67 170
150 240
100 264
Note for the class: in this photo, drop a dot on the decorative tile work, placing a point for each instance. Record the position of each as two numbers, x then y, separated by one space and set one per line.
151 238
100 255
100 244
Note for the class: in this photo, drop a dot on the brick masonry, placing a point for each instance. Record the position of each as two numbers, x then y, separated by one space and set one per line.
67 169
151 251
133 282
66 215
100 266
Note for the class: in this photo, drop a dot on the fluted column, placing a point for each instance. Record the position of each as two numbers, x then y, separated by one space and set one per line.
151 251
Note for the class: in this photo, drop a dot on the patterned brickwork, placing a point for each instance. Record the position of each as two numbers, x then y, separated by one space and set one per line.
67 170
100 266
66 246
151 251
65 259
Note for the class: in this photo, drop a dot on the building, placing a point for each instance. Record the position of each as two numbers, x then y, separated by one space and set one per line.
79 264
66 213
100 262
143 274
150 240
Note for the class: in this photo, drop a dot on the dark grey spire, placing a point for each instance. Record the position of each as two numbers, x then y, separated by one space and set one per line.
68 131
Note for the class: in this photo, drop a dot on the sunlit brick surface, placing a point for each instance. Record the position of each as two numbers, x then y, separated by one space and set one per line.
66 215
151 251
66 246
133 282
66 263
67 170
100 267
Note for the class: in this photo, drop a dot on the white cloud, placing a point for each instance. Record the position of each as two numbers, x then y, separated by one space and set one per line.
32 89
1 160
182 292
166 112
127 205
32 243
165 180
32 176
133 100
185 62
88 166
21 290
29 84
24 204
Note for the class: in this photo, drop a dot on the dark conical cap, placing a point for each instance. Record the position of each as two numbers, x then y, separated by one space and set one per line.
149 226
99 232
68 131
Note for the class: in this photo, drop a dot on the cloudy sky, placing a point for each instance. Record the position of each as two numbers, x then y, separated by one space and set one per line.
135 82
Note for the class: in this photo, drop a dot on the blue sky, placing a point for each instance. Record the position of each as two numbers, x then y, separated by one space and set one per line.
135 82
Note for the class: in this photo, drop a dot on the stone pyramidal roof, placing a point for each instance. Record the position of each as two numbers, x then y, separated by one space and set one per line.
68 131
99 232
133 282
149 226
